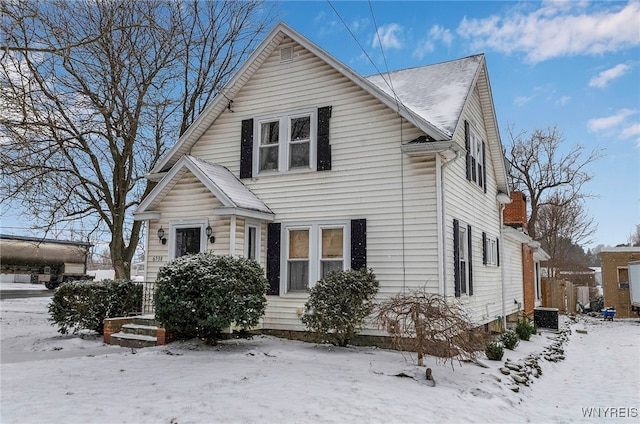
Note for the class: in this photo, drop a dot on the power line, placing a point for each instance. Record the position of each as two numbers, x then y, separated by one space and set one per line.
397 99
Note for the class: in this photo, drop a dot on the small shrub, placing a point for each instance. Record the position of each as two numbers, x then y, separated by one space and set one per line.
339 303
494 350
202 295
510 339
83 305
525 329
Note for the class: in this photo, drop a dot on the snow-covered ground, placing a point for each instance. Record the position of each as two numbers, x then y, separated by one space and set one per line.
50 378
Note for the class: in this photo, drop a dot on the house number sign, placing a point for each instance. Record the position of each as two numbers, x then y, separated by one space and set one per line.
156 259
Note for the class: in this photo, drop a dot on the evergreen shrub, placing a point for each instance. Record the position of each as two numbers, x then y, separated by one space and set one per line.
202 295
510 339
83 305
494 350
525 329
338 304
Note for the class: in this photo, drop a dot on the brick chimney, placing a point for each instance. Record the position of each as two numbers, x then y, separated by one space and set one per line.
515 213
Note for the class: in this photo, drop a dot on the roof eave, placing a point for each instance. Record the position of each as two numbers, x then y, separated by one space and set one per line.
430 147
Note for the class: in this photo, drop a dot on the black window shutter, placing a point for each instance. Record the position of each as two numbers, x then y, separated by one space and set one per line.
324 148
484 166
470 261
498 251
467 145
484 248
273 258
456 257
246 149
358 243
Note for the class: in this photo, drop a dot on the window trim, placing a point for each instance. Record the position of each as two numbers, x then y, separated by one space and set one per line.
315 249
284 141
192 223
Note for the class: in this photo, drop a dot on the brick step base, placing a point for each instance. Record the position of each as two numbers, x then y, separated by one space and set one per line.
136 332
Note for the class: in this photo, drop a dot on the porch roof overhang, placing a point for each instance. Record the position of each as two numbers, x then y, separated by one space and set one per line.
236 198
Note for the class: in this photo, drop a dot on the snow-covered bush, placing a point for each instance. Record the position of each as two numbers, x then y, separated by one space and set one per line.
338 304
202 295
525 329
494 351
510 339
83 305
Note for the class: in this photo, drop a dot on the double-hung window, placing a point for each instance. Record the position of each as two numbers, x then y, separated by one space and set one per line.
286 142
331 250
269 148
476 167
299 141
314 250
462 254
490 250
298 259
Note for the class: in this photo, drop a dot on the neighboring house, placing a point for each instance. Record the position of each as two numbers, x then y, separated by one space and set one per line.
305 166
522 261
615 278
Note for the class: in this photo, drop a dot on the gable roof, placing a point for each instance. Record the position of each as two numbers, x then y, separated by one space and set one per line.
437 93
269 44
236 198
435 108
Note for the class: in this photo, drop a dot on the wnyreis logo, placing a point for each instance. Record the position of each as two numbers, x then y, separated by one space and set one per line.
610 412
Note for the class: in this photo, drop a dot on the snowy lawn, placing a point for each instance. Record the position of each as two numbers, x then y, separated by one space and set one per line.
50 378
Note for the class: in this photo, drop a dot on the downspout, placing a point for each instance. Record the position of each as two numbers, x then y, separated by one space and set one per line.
502 200
502 273
440 201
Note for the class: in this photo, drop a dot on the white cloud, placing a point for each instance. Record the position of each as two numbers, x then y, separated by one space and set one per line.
632 130
602 79
607 122
428 44
389 36
563 100
522 100
556 29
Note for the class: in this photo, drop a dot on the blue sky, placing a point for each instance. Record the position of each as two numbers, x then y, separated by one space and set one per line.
571 64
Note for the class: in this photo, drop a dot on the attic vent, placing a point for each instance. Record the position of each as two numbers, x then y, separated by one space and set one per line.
286 54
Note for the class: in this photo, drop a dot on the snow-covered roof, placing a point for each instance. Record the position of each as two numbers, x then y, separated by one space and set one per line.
236 198
437 93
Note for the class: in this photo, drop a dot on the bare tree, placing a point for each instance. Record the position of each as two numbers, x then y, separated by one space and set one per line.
93 92
429 323
542 167
634 237
562 226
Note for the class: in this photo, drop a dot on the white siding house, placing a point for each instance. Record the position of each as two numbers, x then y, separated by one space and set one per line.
313 167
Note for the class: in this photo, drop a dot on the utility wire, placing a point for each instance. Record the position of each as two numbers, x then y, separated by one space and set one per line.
397 99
